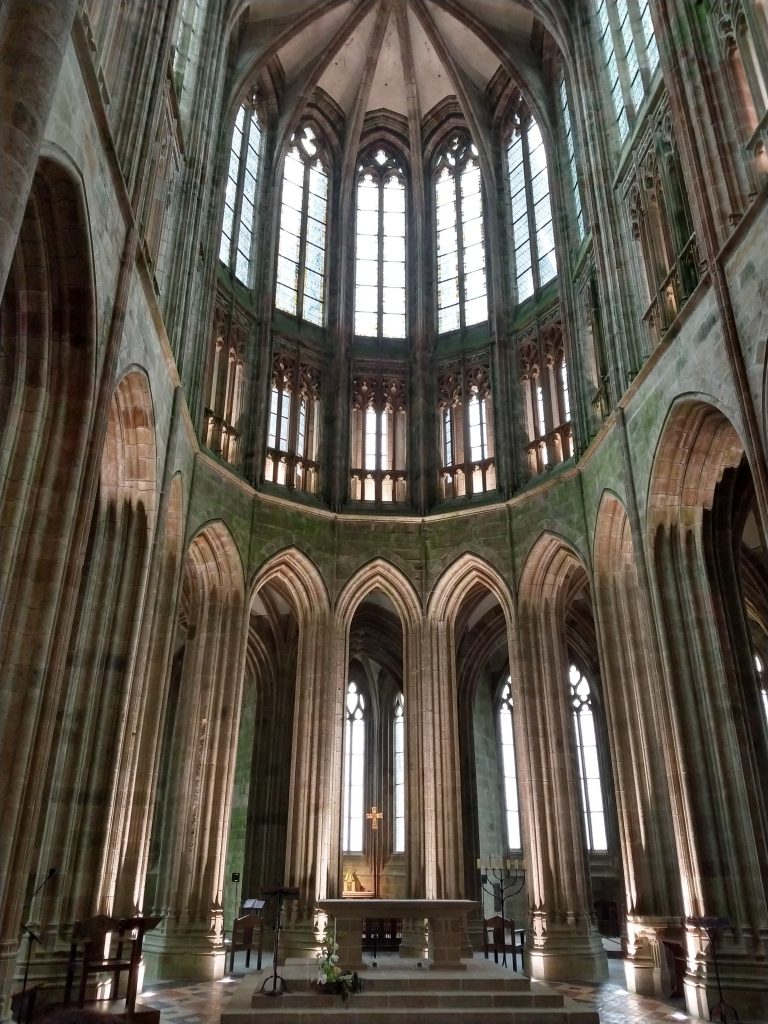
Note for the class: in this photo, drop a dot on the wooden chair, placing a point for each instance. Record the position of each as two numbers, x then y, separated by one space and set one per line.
89 954
504 938
243 931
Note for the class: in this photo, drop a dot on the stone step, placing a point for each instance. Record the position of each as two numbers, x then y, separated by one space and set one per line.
435 998
354 1014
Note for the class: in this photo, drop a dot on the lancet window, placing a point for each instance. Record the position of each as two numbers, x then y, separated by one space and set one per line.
293 425
509 766
398 747
380 247
570 148
762 682
532 233
241 194
546 397
378 439
592 803
467 445
301 255
354 770
628 42
462 298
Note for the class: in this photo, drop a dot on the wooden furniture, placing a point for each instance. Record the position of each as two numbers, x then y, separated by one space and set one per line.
446 919
504 938
247 933
104 945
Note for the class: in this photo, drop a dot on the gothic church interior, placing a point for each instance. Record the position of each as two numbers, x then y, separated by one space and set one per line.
384 412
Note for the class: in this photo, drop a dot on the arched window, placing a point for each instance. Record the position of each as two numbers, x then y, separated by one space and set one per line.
398 747
631 55
240 197
462 298
300 288
380 310
533 238
467 446
378 439
509 766
354 770
292 429
589 761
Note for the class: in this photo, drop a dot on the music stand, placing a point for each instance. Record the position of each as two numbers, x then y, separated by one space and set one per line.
282 893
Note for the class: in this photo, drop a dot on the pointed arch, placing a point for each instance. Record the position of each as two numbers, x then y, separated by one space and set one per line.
459 579
299 577
380 575
551 571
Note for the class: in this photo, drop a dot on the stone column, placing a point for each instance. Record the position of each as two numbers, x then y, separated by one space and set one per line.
33 38
562 941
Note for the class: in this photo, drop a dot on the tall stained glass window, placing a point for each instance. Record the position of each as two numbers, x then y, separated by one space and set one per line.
582 711
462 294
509 767
399 774
533 236
300 288
241 195
570 147
380 245
354 770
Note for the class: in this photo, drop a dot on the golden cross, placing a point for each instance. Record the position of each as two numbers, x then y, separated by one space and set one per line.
374 816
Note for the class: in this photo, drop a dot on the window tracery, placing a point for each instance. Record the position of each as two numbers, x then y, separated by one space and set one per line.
293 425
467 444
546 397
662 225
241 193
462 292
301 257
226 378
380 248
378 439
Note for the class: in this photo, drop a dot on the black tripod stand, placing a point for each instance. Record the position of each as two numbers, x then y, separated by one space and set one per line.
21 1000
282 893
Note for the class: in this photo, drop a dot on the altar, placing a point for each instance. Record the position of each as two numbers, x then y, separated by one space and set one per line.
446 922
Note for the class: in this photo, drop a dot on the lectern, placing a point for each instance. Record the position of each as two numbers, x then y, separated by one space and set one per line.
281 894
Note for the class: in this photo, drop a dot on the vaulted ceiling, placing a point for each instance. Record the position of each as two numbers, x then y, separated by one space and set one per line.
403 56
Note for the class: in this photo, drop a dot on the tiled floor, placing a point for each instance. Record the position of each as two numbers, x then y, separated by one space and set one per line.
202 1002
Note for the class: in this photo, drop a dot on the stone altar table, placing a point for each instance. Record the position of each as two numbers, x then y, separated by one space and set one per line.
446 919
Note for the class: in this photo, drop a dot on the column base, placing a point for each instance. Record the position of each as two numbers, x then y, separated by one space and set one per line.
191 954
651 967
743 976
564 951
413 945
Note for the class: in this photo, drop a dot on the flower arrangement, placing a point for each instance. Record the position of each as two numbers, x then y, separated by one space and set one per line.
330 977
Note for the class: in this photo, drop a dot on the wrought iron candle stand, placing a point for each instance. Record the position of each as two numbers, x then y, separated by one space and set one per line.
719 1011
502 878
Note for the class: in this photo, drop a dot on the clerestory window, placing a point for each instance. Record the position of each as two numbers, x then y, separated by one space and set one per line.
631 56
380 292
582 714
570 148
301 255
241 195
762 682
509 766
533 236
462 292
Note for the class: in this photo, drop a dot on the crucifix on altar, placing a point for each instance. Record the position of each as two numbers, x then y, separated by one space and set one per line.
375 816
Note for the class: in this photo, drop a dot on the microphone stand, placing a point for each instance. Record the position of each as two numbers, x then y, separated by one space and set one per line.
31 937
